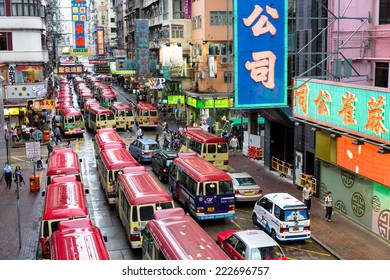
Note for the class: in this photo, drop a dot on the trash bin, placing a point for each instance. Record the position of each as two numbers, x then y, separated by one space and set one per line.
34 187
46 135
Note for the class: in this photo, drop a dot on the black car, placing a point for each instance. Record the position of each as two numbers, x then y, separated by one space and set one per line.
160 163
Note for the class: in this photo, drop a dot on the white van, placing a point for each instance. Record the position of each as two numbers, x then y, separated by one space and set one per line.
283 216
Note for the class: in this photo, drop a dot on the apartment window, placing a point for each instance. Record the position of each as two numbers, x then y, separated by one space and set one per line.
384 12
178 9
112 20
382 74
227 77
25 8
220 49
199 22
2 8
5 41
177 31
113 30
221 18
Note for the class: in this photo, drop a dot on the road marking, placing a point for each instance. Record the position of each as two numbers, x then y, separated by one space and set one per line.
237 225
304 250
244 211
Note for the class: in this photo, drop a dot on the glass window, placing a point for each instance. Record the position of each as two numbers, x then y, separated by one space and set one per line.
226 187
211 189
2 10
134 212
384 12
382 74
247 181
295 215
232 240
211 148
146 213
153 113
266 253
103 117
240 248
110 117
129 113
3 39
177 31
222 148
220 18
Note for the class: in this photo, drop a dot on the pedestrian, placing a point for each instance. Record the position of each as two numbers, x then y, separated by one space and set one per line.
328 206
234 144
39 164
157 139
166 142
57 134
52 136
18 176
307 193
68 145
164 111
139 133
128 132
49 150
8 175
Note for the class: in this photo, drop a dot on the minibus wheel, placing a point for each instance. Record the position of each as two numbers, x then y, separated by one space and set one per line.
254 219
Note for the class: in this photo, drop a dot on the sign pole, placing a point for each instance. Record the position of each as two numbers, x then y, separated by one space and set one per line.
18 209
35 185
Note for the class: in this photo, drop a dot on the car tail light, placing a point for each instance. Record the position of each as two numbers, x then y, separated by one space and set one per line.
225 162
165 169
200 210
135 237
232 207
114 126
236 192
143 153
306 228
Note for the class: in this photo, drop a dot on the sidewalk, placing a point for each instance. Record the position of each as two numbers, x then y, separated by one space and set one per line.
30 205
342 237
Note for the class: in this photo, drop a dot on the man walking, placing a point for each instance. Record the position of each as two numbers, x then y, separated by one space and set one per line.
8 175
57 134
307 193
234 144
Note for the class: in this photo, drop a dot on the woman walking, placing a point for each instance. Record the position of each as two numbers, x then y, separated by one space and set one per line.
8 175
19 177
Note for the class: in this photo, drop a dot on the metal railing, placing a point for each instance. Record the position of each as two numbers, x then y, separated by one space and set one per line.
282 167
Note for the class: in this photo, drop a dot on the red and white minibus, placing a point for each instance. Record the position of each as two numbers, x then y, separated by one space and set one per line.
208 146
146 115
78 240
110 163
98 117
107 138
139 195
63 162
71 121
173 235
123 115
64 200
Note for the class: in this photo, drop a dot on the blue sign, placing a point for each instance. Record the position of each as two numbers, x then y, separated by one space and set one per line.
260 53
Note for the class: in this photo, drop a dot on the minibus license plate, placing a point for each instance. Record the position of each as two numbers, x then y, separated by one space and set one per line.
210 209
295 229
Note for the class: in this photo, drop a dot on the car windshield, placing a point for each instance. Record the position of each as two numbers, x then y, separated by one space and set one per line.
266 253
247 181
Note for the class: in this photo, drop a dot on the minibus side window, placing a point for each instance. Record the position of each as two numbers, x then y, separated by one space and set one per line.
134 216
45 229
54 226
278 213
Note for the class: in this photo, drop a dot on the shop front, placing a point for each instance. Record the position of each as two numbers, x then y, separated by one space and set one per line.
346 127
209 108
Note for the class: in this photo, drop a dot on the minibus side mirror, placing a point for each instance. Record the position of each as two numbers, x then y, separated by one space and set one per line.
105 238
81 160
86 191
43 193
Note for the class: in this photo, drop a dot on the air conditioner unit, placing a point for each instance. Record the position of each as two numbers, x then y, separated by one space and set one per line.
223 60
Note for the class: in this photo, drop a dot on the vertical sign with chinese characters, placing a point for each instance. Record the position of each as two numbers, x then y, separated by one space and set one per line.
142 47
260 48
100 40
357 110
79 18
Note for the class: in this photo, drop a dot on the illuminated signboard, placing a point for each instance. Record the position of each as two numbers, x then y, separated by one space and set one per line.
357 110
142 47
79 18
260 53
67 69
100 40
364 160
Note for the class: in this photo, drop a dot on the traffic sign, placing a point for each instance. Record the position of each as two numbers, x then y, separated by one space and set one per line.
37 134
33 150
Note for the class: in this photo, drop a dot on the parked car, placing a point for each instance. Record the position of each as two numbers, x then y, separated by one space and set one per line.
245 187
249 245
144 149
160 164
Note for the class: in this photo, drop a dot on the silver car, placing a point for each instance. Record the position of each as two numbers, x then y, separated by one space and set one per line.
245 187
